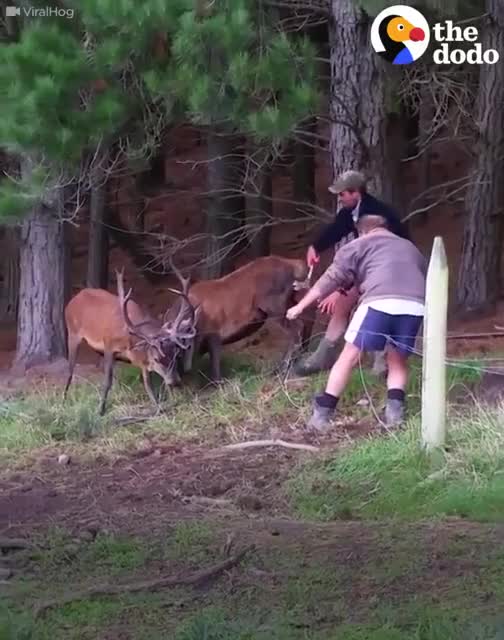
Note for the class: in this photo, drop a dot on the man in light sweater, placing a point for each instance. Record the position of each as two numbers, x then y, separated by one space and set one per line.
356 202
389 273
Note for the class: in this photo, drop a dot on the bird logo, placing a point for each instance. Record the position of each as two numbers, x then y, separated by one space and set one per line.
400 34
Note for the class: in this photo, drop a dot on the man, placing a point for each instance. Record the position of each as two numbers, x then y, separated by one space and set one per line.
389 273
350 187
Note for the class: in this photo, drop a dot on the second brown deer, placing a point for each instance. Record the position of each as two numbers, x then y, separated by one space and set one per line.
238 304
120 329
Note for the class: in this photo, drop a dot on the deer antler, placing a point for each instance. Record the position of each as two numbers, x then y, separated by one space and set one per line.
181 311
123 301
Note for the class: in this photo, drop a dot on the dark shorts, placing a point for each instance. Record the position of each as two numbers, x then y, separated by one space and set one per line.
372 330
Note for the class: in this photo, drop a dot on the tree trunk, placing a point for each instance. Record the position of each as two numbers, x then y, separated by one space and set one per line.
226 204
9 293
127 235
41 327
426 115
361 124
346 30
98 248
480 268
304 171
358 108
260 203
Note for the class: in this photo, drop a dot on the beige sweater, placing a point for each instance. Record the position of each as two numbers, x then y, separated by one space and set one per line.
381 264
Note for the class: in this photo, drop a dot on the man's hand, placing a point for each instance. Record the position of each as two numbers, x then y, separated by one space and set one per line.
312 257
294 312
329 305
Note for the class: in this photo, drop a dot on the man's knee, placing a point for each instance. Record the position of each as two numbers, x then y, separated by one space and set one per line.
350 354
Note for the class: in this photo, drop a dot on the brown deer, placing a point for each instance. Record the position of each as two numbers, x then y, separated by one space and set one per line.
237 305
132 335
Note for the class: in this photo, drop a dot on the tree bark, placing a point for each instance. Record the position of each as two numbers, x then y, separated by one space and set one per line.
358 109
226 205
260 203
361 124
346 32
9 293
304 171
98 247
479 278
41 327
426 116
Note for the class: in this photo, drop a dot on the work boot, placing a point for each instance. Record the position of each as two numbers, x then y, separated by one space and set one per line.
321 359
394 412
320 417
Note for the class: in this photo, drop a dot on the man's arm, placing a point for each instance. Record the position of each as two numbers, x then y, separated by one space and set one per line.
332 233
339 275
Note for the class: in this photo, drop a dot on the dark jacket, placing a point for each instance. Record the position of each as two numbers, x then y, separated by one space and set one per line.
343 224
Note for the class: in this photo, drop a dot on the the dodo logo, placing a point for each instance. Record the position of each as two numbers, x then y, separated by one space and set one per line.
400 34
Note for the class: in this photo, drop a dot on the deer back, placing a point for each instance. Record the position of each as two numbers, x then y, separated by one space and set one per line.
262 286
94 315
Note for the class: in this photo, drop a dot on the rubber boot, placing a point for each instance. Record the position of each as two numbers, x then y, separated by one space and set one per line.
321 417
322 359
394 412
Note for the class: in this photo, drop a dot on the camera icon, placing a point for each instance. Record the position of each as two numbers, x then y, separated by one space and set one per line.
11 12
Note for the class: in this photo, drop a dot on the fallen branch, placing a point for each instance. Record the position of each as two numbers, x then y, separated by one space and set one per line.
194 579
14 544
127 420
271 443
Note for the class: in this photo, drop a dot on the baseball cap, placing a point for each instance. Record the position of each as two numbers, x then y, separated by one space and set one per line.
348 180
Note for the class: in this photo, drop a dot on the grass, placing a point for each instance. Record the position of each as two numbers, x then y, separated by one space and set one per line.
252 397
392 477
382 580
314 589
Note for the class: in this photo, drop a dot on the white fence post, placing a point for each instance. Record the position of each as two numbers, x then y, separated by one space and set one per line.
434 349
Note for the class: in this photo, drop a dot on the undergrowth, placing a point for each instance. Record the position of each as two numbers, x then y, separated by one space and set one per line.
251 399
390 476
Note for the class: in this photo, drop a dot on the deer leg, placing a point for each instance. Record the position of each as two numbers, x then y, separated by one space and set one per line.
108 365
187 360
295 330
73 348
307 328
148 387
215 350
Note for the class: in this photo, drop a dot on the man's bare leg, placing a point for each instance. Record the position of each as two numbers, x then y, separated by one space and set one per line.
325 403
397 379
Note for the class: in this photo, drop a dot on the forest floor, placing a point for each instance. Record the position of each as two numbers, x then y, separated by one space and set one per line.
137 532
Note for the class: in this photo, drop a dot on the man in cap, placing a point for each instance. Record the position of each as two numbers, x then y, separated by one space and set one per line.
350 188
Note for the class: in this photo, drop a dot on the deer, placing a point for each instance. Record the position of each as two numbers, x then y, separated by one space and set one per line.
237 305
104 322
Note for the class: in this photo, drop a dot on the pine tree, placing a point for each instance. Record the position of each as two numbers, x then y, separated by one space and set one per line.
66 87
479 277
121 71
238 74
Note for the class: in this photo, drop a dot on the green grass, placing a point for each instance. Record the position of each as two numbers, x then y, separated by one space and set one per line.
381 583
390 476
390 586
251 398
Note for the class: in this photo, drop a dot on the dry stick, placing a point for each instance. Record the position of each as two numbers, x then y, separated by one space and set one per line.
14 544
193 579
271 443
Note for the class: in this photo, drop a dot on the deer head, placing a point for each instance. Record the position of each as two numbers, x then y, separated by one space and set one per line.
161 341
